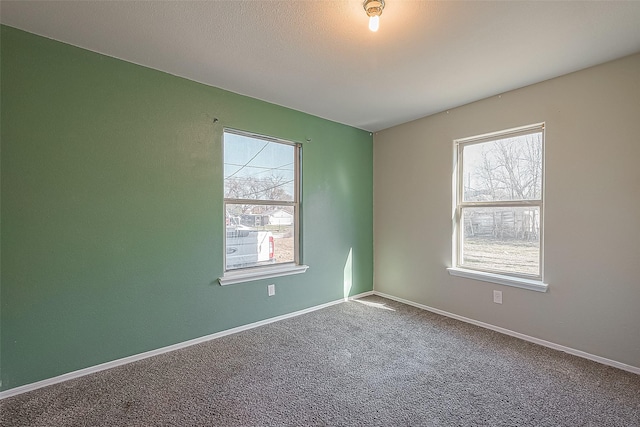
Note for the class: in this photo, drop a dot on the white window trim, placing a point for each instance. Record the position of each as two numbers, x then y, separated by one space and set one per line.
500 279
231 277
518 281
257 273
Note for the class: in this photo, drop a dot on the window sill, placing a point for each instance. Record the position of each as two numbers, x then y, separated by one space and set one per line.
248 275
518 282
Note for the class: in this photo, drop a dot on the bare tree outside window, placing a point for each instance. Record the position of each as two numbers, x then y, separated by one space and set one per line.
261 200
499 202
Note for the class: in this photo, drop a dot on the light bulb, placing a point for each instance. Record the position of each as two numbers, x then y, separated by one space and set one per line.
374 23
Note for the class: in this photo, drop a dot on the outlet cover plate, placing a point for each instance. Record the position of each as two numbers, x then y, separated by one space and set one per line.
497 297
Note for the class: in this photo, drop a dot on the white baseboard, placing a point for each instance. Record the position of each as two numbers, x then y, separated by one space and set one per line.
579 353
112 364
108 365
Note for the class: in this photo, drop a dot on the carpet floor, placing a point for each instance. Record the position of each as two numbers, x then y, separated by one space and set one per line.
371 362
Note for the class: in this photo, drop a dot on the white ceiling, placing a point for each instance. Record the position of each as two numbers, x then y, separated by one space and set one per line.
319 56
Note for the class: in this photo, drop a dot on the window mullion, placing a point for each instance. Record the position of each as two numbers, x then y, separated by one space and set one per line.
501 204
260 202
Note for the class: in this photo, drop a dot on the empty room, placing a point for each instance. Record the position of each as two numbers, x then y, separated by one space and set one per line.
320 213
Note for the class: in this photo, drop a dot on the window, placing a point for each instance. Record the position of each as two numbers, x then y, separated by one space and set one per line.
261 205
499 203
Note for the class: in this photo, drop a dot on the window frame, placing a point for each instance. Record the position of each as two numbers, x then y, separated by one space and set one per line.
244 274
522 280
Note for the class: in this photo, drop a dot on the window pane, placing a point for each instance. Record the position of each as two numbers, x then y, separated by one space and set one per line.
501 239
259 235
258 169
504 169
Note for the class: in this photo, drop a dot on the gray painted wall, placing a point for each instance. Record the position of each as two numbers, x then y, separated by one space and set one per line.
592 211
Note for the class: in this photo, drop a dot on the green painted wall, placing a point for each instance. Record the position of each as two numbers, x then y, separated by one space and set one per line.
112 209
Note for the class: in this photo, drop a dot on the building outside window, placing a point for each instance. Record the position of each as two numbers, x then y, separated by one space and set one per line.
261 201
499 202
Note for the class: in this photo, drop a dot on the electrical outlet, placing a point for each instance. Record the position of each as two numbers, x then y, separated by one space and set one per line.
497 297
271 290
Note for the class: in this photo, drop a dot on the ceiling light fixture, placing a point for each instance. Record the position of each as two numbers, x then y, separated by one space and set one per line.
374 10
